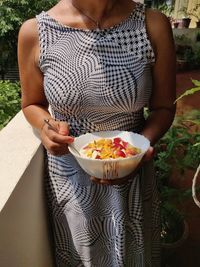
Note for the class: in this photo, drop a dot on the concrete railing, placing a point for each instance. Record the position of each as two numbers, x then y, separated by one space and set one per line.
24 231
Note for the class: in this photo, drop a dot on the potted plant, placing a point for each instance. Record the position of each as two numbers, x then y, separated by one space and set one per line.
176 24
185 17
184 52
192 91
174 151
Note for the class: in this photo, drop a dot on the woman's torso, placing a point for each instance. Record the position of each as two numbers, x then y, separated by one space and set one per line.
97 79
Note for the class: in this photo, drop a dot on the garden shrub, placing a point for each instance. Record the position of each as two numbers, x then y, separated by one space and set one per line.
10 103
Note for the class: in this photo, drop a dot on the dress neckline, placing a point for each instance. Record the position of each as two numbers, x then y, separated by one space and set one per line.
94 30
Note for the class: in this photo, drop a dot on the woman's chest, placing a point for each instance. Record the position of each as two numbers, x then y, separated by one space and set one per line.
96 72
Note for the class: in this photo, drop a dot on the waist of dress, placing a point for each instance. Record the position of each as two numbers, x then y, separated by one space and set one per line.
94 123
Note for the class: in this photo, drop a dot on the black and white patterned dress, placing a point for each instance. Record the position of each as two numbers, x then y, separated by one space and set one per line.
100 80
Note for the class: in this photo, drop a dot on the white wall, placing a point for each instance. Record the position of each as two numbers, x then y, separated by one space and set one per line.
24 232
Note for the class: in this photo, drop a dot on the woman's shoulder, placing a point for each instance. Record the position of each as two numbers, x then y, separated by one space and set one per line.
157 21
158 26
29 31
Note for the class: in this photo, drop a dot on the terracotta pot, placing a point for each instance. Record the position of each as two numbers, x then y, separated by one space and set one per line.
198 24
176 24
186 22
169 249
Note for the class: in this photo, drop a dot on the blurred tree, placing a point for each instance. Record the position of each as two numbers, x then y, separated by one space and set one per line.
12 15
156 3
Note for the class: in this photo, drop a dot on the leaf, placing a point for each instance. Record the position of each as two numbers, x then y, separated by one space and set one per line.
196 83
197 144
188 92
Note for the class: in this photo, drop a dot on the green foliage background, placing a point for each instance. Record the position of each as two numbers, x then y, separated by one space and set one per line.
12 14
9 101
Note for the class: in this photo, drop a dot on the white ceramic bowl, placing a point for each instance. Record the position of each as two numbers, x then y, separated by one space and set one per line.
110 168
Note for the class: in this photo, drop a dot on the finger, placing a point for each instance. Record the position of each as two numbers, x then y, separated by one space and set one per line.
60 139
63 128
56 149
54 123
55 136
149 154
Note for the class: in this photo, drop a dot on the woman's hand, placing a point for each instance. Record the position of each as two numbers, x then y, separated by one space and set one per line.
56 141
148 156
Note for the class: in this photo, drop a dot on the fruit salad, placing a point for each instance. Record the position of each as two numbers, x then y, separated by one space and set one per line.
107 148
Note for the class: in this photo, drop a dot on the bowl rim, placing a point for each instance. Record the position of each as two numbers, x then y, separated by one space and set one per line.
110 160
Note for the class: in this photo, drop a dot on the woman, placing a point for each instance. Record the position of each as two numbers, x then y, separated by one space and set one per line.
97 64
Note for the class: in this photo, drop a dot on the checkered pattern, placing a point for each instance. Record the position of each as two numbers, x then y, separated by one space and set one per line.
99 80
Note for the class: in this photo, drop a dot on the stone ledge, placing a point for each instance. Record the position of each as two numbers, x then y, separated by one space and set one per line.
19 144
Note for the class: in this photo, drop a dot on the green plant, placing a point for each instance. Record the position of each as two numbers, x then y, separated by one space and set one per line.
182 39
183 46
194 59
12 15
187 52
198 37
197 144
184 12
190 91
177 149
172 226
9 101
165 9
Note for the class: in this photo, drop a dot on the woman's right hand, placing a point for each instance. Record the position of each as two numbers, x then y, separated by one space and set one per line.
56 142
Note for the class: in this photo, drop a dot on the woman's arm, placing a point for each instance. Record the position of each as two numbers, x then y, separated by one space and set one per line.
34 102
162 107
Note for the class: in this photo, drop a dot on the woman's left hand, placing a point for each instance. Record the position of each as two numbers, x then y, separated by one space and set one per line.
148 156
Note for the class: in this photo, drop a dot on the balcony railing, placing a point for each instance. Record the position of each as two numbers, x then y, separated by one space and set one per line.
24 224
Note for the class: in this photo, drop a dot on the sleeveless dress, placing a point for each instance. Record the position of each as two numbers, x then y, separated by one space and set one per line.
99 80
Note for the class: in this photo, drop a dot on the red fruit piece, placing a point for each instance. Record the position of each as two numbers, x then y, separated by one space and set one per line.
117 140
120 153
118 145
125 144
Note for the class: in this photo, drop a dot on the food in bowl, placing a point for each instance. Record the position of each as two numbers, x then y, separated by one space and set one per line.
112 168
107 148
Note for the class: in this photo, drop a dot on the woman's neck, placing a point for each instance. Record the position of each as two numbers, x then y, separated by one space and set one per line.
97 9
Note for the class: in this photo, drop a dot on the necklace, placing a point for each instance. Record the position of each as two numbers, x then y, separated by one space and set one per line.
96 22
